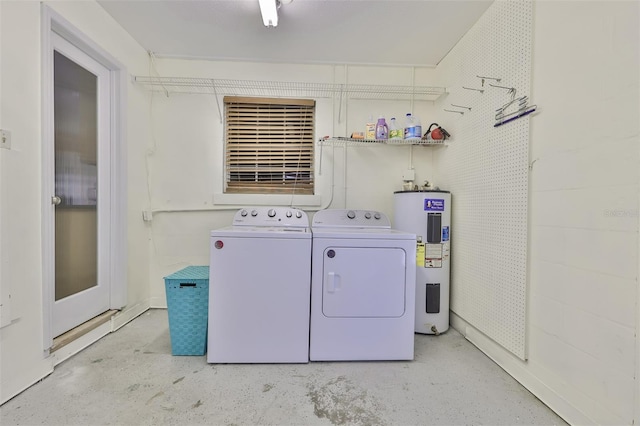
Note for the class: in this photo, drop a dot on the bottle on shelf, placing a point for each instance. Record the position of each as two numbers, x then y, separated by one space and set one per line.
382 130
417 127
394 131
370 129
409 127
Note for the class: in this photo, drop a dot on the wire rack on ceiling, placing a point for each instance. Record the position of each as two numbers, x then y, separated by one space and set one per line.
286 89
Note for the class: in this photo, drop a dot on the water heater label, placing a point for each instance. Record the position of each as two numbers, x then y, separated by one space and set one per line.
433 204
433 256
445 233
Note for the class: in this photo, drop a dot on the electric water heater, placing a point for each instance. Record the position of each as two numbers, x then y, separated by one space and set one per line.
427 213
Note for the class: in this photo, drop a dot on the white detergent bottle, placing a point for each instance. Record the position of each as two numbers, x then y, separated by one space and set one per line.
417 133
409 127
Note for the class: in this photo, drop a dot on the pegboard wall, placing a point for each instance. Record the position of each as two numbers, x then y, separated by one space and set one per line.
486 168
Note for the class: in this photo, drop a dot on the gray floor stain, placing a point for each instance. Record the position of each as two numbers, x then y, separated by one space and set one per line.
267 387
178 380
197 404
133 387
154 397
95 361
340 402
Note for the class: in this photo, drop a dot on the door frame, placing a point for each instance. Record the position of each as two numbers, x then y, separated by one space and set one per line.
52 22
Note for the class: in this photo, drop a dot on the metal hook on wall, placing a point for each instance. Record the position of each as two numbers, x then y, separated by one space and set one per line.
460 106
471 88
512 90
488 78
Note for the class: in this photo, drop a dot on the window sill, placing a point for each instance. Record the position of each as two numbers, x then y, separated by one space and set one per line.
268 200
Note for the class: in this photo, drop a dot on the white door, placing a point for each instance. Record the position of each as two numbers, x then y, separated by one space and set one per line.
363 282
81 192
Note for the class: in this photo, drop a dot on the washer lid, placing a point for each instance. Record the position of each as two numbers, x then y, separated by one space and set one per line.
262 232
362 233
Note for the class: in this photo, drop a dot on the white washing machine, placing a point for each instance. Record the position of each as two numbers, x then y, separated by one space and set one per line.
259 288
362 288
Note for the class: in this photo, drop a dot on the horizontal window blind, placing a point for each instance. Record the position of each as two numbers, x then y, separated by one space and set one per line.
269 145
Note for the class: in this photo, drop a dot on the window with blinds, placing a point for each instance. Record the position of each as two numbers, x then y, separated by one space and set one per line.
269 145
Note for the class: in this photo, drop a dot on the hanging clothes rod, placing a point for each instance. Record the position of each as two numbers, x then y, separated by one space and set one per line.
516 115
522 104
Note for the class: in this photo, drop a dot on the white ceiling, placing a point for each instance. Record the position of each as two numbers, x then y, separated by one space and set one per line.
381 32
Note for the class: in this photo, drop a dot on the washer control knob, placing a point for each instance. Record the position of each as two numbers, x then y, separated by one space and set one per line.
288 214
243 213
377 216
254 213
367 215
271 213
298 214
351 214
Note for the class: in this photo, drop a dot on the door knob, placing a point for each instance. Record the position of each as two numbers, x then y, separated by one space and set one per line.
55 200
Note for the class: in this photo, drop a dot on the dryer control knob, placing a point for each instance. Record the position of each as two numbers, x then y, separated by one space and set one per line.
377 216
351 214
271 213
367 215
254 213
298 215
288 214
243 213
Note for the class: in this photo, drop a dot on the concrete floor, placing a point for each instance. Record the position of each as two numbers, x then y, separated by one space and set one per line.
130 378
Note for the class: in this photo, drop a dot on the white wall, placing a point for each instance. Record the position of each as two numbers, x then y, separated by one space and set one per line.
584 198
185 163
22 356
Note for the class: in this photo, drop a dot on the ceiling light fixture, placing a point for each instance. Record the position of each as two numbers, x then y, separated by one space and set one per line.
269 10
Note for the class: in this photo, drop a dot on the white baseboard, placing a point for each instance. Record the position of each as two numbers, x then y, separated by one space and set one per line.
129 313
521 372
82 342
72 348
158 303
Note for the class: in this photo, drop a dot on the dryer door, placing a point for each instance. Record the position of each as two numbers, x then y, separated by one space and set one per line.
363 282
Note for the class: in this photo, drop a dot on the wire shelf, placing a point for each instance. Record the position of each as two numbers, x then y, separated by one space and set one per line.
377 142
286 89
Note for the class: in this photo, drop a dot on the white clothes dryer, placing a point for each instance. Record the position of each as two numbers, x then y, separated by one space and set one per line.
259 288
362 288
